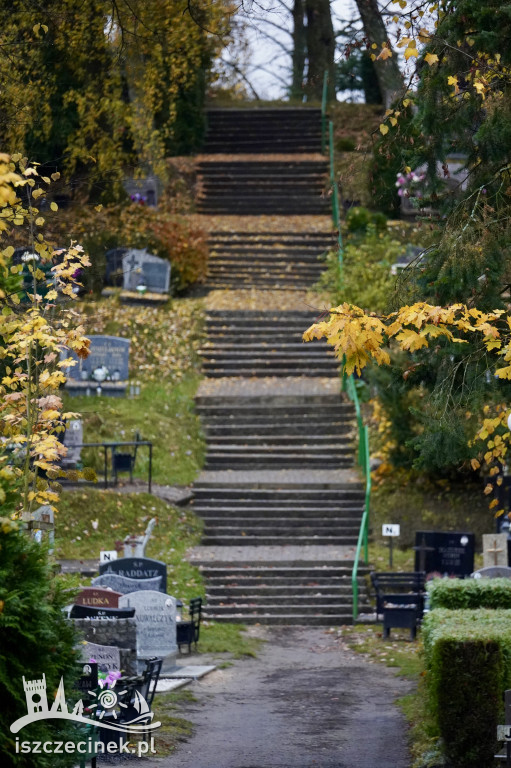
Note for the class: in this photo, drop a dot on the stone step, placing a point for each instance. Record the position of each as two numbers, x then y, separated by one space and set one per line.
214 462
267 590
218 372
269 240
272 168
297 619
279 441
224 432
331 491
262 541
330 609
283 526
319 602
295 569
274 513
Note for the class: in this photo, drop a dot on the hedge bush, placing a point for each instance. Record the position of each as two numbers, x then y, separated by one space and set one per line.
35 639
459 594
468 667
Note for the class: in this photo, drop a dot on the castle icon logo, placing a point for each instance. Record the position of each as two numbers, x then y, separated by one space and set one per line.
106 701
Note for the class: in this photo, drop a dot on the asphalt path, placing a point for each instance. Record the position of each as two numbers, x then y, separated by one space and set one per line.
306 701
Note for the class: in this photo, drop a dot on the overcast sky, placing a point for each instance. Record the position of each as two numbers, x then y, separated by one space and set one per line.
268 65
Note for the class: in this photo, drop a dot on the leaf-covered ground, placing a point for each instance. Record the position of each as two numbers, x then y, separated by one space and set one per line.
90 520
262 223
164 340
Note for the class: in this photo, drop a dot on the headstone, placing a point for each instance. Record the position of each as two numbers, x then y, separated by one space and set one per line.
98 598
73 439
137 568
156 275
155 614
449 553
88 612
88 680
125 586
134 546
493 572
107 657
494 549
42 524
142 268
121 633
144 190
105 369
114 271
411 254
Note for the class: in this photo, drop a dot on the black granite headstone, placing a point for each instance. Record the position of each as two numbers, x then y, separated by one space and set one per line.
88 680
137 568
448 553
89 612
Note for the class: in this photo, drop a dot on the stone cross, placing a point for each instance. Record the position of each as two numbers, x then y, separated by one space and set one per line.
422 549
494 549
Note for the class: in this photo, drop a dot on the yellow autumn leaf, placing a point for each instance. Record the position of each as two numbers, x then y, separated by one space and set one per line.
54 206
411 52
431 58
488 489
393 121
51 295
384 129
39 221
385 53
474 464
493 503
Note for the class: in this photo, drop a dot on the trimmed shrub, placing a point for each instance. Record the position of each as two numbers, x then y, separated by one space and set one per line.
468 667
35 639
456 594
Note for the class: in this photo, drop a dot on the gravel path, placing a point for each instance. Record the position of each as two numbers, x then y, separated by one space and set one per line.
307 701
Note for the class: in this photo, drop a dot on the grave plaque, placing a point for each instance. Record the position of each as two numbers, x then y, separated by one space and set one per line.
449 553
43 524
114 271
98 598
88 680
124 585
109 357
494 549
121 633
156 275
73 439
155 614
107 657
142 268
108 614
137 568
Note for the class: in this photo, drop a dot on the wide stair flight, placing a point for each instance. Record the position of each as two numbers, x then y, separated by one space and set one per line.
279 495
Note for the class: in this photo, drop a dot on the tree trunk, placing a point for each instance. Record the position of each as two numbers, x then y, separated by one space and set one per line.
388 73
299 50
320 49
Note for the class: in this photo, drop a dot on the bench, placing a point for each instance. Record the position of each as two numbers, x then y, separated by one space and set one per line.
399 599
188 631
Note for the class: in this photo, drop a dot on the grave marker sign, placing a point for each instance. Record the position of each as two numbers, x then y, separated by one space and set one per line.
155 614
137 568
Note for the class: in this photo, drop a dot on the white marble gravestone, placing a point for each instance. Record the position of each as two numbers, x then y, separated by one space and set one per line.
73 439
155 616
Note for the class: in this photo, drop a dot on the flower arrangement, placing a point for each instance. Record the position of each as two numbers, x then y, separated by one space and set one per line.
106 679
411 184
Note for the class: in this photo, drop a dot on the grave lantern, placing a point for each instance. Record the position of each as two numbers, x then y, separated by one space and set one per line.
179 609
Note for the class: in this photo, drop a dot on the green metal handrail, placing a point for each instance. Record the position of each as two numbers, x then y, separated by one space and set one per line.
324 103
364 463
348 381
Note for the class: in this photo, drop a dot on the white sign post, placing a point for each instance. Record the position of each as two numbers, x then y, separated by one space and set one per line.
106 556
390 530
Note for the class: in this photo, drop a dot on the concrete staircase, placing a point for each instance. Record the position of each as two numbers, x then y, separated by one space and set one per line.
286 185
253 343
281 260
279 495
263 131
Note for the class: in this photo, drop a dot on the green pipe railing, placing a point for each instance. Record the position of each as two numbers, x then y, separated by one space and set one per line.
364 463
348 381
324 103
